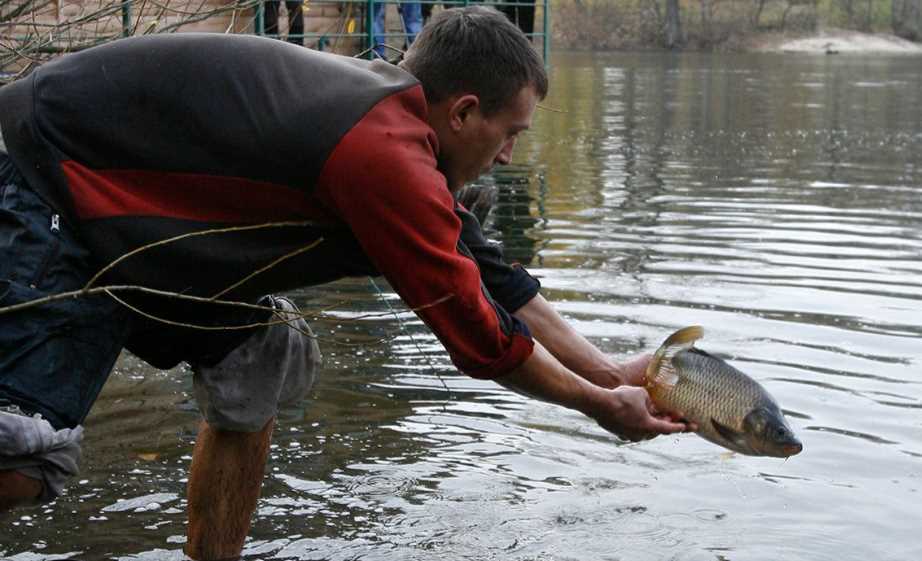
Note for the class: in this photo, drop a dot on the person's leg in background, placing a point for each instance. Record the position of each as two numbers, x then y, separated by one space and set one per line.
412 16
511 12
239 398
377 29
426 9
295 22
521 15
271 18
527 18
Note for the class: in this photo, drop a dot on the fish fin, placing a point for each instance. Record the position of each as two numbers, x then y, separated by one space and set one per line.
728 433
684 337
666 376
660 370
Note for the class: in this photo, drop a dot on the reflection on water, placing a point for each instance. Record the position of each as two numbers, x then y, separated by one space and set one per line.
771 199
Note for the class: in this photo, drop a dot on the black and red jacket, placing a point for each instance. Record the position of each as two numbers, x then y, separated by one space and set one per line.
152 137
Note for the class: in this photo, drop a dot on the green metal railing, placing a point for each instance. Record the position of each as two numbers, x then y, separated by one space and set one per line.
126 18
366 36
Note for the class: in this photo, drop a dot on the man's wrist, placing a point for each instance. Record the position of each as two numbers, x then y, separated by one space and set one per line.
606 375
594 400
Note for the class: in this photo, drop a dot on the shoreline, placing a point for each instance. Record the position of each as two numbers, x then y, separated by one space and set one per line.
832 41
825 41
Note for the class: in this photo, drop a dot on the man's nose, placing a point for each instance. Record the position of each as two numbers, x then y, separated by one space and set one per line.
505 154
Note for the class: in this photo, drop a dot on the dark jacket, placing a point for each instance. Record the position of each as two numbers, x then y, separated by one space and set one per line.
149 138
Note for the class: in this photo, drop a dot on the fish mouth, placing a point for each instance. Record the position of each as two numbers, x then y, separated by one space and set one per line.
792 449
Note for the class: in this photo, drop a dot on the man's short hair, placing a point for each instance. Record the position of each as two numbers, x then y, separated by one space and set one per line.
476 50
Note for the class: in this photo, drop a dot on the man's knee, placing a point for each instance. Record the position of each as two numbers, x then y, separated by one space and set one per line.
36 460
276 365
17 489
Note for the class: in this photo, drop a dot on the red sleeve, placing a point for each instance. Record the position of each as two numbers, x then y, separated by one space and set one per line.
382 180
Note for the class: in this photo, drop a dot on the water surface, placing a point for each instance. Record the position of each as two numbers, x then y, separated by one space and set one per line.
773 199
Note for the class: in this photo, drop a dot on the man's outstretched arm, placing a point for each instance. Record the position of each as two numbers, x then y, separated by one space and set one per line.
626 411
574 351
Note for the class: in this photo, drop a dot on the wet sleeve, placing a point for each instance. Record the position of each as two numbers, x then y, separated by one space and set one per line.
381 179
509 284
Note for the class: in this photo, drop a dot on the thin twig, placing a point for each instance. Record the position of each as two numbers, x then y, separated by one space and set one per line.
241 5
202 327
269 266
441 300
83 292
137 21
403 328
108 267
372 49
233 21
108 289
551 109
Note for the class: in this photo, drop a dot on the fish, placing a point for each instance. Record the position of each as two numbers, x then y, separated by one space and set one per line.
729 408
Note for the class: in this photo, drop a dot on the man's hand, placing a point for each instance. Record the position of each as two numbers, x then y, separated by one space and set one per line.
629 413
610 373
631 372
626 411
569 370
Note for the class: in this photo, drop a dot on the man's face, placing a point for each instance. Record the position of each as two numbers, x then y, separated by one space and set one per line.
479 142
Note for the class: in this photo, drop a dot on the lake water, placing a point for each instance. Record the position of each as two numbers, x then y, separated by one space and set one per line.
774 199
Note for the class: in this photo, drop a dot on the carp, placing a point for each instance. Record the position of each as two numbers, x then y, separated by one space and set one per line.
730 408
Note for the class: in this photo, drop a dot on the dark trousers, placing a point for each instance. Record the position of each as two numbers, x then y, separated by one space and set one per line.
295 20
523 16
54 358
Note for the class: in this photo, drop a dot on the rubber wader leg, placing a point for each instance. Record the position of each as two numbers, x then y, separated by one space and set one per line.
224 483
17 489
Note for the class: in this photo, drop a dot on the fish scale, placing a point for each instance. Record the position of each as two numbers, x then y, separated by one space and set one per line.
726 398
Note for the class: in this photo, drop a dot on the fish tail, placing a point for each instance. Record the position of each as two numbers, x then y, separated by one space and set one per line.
660 372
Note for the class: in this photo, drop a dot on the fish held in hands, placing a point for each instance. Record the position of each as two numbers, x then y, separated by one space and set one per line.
730 408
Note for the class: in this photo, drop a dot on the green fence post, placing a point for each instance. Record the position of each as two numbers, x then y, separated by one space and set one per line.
369 22
547 31
259 23
126 18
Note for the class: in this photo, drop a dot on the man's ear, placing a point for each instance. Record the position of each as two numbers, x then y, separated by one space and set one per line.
461 109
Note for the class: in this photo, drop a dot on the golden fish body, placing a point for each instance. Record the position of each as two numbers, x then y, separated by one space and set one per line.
730 408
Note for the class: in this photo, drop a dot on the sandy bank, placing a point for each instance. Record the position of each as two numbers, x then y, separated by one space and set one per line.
835 41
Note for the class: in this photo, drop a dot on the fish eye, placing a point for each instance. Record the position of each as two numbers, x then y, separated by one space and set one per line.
781 433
